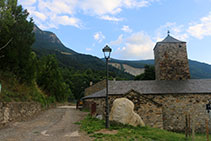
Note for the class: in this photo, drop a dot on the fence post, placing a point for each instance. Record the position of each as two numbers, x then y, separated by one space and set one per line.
193 127
186 126
189 129
207 130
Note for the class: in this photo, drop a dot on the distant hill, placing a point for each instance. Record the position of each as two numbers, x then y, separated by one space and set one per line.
48 43
197 69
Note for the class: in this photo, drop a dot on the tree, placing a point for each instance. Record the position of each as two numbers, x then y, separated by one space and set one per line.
149 73
51 81
1 56
14 25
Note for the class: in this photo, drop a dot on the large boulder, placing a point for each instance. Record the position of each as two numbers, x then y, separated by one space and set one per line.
122 111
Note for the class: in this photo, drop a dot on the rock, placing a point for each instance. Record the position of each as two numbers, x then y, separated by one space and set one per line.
122 111
99 117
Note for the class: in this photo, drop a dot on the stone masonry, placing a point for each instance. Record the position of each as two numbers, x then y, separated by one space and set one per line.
171 62
149 111
17 111
165 111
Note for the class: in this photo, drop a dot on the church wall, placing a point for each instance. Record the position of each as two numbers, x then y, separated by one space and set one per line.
166 111
175 107
149 111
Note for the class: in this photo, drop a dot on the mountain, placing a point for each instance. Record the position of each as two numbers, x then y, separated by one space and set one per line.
48 43
197 69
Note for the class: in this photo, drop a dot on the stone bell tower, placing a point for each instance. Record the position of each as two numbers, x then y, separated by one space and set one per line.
171 61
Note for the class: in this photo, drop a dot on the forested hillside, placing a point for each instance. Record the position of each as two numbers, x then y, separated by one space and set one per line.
40 66
36 66
48 43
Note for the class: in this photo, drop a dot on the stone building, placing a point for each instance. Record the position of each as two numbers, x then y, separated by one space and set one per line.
164 102
171 61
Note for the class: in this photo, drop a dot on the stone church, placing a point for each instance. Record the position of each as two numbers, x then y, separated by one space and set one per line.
164 102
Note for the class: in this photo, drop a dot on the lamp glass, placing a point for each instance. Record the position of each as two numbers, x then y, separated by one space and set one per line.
107 51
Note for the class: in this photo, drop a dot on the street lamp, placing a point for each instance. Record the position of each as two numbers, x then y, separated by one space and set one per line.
107 51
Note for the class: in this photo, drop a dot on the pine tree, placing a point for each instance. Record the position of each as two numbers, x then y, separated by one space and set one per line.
14 25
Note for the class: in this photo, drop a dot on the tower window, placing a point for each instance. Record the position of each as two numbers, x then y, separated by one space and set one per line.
180 46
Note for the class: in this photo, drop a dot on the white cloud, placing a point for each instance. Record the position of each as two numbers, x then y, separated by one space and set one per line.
52 13
134 3
138 46
28 2
201 29
110 7
99 37
88 49
177 31
100 7
44 10
109 18
66 20
198 30
126 28
118 41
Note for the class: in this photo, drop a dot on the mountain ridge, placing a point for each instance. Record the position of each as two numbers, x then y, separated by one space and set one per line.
48 43
197 69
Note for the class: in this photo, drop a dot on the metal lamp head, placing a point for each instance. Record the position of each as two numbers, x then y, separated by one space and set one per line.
107 51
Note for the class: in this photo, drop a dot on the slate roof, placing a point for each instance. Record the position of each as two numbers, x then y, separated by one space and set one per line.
170 39
192 86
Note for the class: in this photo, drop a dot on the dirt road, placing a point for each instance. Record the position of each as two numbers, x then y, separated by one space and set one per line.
52 125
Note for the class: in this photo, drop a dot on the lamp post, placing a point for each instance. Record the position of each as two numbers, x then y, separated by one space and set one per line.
107 51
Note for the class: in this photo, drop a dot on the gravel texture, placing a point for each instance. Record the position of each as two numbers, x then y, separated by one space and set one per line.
56 124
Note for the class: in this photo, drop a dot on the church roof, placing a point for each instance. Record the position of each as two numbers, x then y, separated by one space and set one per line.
192 86
170 39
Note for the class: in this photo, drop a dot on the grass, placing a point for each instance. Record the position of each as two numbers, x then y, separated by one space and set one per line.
13 91
130 133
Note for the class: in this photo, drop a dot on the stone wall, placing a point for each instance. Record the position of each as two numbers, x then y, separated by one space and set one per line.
166 111
149 111
95 88
175 107
17 111
171 61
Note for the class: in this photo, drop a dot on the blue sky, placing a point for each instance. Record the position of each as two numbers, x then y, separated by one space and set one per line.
130 27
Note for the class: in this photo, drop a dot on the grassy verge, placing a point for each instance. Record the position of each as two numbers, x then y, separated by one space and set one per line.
130 133
13 91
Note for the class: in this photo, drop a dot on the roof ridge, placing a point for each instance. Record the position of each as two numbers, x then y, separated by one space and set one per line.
170 39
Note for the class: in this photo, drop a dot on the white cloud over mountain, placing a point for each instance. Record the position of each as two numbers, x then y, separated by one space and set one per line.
46 11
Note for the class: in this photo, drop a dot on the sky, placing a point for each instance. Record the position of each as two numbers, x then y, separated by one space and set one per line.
130 27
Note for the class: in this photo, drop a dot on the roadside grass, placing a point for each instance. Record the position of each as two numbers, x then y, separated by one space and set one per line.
13 91
130 133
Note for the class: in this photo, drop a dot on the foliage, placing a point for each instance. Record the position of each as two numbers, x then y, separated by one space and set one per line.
130 133
23 64
47 43
51 81
12 90
62 76
14 25
149 73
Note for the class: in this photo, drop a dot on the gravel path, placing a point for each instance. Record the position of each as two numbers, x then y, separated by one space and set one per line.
52 125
